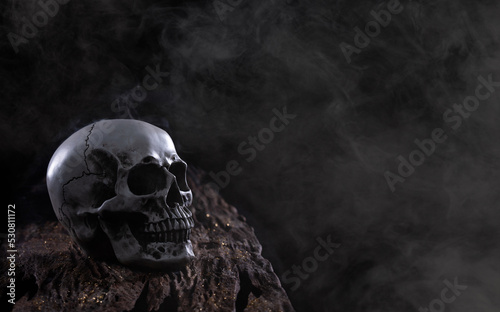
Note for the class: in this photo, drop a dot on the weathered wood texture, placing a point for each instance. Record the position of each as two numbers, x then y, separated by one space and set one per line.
228 274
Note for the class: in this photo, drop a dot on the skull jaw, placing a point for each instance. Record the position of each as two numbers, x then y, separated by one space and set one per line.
156 256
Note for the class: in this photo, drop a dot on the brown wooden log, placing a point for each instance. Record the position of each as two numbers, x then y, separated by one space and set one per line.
228 273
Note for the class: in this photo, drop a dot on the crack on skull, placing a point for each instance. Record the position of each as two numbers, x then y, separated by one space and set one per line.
61 210
87 146
86 173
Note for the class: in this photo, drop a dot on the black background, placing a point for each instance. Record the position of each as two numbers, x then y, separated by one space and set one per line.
324 173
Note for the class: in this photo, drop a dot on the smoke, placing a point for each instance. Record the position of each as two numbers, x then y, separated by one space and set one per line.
229 67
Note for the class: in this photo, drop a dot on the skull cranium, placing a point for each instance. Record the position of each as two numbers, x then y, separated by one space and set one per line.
120 189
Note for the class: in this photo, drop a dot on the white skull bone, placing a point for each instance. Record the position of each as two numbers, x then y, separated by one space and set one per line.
119 188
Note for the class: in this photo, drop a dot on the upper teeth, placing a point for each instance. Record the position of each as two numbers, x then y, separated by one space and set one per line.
169 225
178 213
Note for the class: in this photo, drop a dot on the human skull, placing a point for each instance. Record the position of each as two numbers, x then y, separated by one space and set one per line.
119 188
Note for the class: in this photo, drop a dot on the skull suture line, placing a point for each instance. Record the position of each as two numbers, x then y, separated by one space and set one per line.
120 189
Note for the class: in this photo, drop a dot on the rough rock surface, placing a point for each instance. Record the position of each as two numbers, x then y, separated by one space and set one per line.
228 273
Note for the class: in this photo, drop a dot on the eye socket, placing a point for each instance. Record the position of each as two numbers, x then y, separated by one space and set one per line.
178 169
149 159
145 179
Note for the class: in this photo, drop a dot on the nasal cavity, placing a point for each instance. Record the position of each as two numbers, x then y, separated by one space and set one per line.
174 196
146 179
